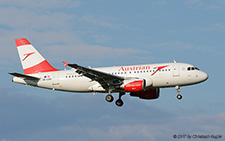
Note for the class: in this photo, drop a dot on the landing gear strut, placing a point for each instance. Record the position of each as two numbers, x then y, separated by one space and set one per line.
119 101
179 96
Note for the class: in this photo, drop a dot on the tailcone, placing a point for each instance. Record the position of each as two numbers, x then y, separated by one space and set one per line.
19 80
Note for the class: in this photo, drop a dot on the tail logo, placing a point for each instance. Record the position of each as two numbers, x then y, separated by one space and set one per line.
27 55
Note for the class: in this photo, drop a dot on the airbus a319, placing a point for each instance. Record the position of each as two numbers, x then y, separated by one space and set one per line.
143 81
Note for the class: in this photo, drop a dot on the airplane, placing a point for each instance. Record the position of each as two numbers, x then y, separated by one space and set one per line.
143 81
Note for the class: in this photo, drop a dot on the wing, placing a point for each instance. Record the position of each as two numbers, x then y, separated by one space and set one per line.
24 76
107 81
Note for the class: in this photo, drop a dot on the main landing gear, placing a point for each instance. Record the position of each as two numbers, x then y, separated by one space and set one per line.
119 101
109 98
179 96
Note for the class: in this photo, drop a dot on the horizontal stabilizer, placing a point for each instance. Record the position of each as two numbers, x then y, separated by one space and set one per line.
24 76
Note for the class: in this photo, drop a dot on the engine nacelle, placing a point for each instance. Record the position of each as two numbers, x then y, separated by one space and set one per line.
148 94
135 86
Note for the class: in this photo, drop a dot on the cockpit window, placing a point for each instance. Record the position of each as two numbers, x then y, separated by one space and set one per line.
197 68
192 68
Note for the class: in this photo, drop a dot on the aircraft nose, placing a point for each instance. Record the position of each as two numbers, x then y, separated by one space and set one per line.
204 76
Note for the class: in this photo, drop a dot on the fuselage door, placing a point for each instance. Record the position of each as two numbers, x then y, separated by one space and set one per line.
176 70
55 79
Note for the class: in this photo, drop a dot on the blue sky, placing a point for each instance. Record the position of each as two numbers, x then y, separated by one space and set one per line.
111 33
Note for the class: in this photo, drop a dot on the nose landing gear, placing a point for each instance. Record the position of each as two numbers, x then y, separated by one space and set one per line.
179 96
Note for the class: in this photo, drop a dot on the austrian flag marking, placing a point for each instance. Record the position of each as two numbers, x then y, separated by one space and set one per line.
48 76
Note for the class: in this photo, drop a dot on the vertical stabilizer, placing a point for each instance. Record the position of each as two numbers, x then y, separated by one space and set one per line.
31 59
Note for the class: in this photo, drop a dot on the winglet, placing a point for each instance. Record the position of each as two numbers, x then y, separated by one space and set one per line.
65 64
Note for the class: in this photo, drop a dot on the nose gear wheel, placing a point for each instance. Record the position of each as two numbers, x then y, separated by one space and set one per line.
179 96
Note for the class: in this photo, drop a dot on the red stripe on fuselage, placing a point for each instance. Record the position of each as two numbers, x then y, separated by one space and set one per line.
22 42
159 68
41 67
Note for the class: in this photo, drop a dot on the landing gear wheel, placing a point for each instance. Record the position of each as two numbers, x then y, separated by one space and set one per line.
119 102
179 96
109 98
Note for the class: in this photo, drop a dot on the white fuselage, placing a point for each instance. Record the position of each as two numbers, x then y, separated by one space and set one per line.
157 76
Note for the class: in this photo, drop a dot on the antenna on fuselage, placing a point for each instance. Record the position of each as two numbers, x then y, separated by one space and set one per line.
174 61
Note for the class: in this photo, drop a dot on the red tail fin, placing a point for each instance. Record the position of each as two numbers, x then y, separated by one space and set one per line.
31 59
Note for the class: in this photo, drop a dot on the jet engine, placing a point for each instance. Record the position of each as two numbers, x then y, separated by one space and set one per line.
148 94
135 86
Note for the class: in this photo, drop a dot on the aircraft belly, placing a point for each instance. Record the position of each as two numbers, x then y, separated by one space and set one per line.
45 84
168 82
76 85
174 81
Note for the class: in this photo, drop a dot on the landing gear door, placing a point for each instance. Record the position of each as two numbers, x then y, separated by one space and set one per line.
176 70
